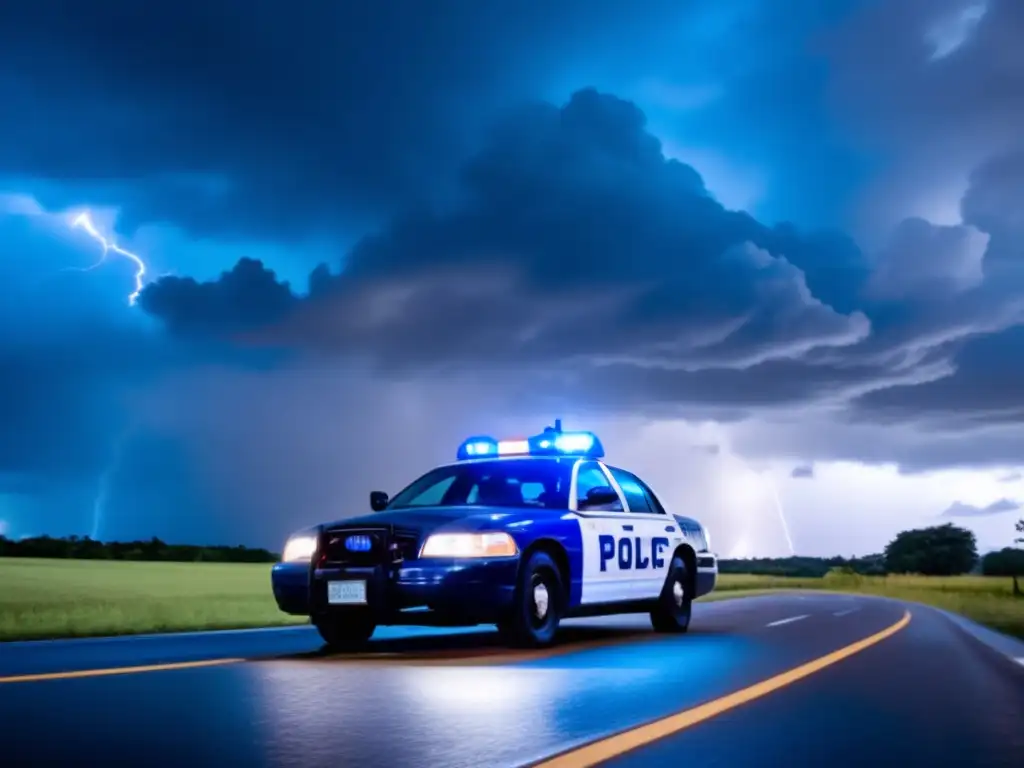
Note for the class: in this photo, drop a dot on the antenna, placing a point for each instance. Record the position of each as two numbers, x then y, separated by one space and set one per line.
558 425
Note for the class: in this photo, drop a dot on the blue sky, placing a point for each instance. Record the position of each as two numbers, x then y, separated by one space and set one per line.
771 252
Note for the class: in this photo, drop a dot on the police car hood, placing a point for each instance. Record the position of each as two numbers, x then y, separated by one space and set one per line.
468 519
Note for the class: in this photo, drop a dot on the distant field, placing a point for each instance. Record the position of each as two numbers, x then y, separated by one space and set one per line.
76 598
79 598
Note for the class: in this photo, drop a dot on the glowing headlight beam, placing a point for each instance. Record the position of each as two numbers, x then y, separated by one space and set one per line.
84 221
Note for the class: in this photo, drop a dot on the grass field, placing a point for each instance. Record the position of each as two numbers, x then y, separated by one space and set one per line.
79 598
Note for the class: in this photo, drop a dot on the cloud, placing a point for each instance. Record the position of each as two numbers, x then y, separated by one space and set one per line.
935 118
924 258
577 245
709 449
244 297
959 509
581 259
478 238
667 293
803 471
1011 477
196 114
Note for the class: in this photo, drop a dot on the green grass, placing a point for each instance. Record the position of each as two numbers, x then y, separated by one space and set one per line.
81 598
989 600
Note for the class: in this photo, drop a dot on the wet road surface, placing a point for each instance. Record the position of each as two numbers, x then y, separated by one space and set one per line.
926 693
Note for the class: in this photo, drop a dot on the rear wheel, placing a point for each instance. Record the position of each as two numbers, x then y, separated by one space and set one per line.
344 632
675 604
537 605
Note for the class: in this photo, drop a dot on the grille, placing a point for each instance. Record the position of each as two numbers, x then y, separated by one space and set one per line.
336 553
386 547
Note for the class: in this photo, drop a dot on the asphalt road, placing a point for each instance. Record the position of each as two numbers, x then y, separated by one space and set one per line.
765 681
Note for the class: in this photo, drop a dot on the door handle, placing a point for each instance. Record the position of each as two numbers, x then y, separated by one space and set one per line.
670 528
627 527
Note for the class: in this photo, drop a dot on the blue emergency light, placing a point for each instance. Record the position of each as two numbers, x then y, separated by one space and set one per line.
551 442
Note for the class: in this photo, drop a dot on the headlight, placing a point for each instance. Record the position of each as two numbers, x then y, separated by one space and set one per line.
469 545
299 548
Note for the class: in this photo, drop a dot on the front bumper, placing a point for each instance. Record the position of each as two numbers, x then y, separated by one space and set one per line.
441 592
707 573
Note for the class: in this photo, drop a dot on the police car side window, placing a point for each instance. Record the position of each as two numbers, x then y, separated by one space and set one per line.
655 504
590 476
632 490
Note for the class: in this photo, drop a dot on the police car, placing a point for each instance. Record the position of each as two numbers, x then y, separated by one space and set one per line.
519 533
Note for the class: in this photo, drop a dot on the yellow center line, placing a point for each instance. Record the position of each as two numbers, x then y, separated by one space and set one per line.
395 659
79 673
614 746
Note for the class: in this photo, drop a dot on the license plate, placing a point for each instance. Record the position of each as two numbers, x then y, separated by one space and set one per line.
346 592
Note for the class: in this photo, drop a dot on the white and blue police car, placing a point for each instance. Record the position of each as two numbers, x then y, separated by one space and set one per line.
519 533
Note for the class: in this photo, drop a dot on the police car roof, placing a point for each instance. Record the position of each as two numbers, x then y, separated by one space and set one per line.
569 458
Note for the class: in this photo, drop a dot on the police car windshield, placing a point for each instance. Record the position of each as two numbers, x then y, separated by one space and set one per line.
510 482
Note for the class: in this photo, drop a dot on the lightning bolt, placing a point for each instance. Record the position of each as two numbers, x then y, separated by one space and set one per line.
105 481
84 221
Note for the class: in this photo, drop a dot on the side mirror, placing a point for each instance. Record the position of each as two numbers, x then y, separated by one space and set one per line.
378 500
599 496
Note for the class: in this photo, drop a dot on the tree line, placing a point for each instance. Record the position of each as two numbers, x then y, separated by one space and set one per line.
84 548
940 550
803 567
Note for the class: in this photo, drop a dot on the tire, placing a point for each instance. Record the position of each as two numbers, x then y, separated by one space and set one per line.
342 632
675 604
531 623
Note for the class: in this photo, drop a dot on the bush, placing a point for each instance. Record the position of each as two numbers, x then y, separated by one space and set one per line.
843 576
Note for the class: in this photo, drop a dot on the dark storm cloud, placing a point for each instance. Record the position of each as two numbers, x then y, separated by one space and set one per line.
578 247
73 354
936 97
981 327
575 243
804 471
254 118
558 253
922 258
973 321
959 509
246 296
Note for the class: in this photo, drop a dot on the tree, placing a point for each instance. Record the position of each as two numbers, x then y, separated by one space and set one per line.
1008 561
941 550
1016 587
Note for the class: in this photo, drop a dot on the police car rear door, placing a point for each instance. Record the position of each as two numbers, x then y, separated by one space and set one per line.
659 531
617 562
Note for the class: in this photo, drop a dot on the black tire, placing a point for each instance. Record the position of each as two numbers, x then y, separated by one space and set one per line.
675 604
344 632
531 624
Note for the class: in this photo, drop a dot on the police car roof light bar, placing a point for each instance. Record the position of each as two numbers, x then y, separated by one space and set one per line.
550 442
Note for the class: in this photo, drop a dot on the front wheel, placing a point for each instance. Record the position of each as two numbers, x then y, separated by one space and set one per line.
342 632
537 605
675 604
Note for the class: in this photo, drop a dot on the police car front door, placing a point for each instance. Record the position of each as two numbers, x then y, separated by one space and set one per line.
660 531
618 560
